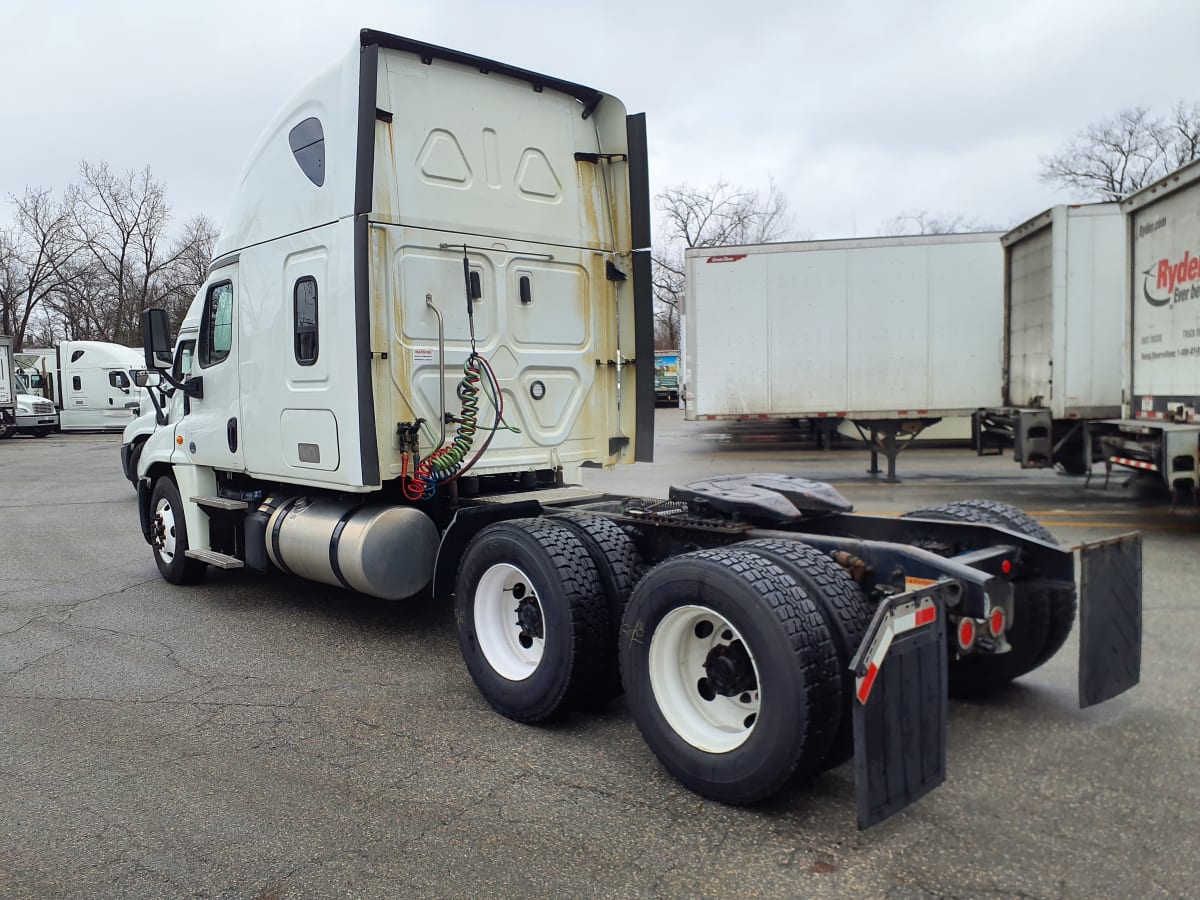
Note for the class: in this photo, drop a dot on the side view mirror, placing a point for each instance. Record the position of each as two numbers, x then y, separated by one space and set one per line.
156 339
141 377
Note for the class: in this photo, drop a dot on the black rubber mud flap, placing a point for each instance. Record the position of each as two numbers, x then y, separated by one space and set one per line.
900 703
1110 617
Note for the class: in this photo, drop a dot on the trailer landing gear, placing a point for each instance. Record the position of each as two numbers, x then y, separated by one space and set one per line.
884 436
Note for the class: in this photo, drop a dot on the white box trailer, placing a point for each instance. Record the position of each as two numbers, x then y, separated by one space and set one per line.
890 333
1159 432
1064 325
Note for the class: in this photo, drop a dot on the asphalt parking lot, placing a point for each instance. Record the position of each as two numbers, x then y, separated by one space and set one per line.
271 738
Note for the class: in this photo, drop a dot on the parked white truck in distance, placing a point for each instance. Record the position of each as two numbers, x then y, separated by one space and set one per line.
90 383
890 333
8 387
21 411
1064 326
416 331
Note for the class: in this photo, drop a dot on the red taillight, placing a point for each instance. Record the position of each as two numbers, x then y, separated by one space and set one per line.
1006 566
996 622
966 634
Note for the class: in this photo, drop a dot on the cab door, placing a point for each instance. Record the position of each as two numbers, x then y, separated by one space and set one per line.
212 432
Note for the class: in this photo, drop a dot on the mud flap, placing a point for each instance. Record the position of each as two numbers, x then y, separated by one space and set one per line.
901 702
1110 617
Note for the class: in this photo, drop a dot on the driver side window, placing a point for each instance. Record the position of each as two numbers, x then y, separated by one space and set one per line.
183 360
216 329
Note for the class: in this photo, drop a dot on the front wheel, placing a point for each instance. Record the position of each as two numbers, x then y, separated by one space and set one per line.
41 432
533 623
730 673
168 533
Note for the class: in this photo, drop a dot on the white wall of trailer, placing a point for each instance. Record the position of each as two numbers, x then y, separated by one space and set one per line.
1164 290
1065 311
874 327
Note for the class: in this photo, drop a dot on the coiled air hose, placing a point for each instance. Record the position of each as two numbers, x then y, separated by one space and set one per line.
445 463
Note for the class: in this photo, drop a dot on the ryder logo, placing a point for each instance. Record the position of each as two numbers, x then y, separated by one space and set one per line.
1170 278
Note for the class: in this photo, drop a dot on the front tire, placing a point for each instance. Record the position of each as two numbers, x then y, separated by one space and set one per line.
169 538
730 674
41 432
533 624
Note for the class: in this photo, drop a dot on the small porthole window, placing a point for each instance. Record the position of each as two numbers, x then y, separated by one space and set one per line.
76 355
76 383
307 141
304 301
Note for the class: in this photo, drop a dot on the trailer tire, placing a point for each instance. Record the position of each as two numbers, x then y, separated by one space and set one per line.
847 613
707 639
550 651
1047 613
169 537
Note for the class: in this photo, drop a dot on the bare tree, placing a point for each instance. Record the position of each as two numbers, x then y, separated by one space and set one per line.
193 254
924 221
1112 158
715 216
33 255
1179 136
126 262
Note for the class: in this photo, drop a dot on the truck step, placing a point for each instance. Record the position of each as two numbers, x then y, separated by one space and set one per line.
220 502
213 558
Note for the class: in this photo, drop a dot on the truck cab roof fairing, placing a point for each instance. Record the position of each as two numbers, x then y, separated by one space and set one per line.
589 97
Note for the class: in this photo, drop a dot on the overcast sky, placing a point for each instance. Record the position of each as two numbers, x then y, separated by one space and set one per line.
859 111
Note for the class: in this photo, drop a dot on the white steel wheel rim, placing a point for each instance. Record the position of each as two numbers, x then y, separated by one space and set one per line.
678 651
164 514
511 648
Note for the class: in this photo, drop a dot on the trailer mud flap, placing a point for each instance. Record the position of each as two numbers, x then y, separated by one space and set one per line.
901 702
1110 617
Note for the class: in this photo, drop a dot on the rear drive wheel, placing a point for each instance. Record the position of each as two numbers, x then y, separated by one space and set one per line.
619 565
847 613
1042 617
730 673
533 624
168 532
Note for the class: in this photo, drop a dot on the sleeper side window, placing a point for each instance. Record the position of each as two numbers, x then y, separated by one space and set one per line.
76 383
304 302
216 329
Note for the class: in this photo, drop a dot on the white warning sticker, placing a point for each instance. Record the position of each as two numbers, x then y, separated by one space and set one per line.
423 355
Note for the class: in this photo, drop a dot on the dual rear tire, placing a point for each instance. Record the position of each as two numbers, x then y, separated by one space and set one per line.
1042 618
728 658
731 674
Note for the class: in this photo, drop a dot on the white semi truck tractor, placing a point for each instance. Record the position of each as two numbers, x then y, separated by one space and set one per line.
430 307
